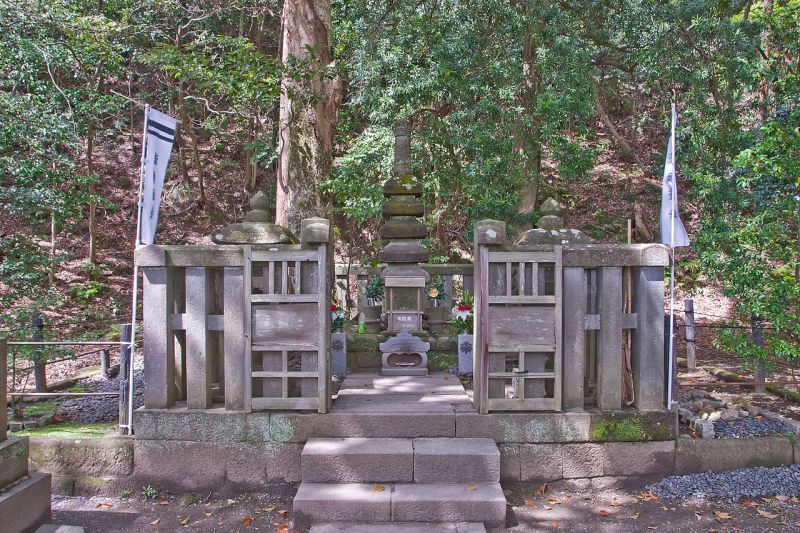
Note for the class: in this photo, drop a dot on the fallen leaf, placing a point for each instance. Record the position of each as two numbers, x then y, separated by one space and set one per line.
284 514
748 502
208 514
283 528
269 509
783 499
163 502
471 487
379 488
529 503
719 516
603 512
615 503
247 521
554 525
635 516
542 488
185 521
664 508
105 505
698 515
155 522
767 500
548 508
795 499
651 527
648 496
767 514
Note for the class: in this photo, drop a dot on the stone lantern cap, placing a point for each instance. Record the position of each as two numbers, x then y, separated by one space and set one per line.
256 228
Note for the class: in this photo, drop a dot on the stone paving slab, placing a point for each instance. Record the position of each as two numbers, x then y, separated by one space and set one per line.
452 460
449 502
357 460
370 385
346 502
375 399
401 527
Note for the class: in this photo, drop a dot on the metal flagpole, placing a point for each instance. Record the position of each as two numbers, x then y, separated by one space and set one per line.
135 302
672 209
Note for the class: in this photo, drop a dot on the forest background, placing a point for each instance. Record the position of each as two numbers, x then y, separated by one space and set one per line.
509 101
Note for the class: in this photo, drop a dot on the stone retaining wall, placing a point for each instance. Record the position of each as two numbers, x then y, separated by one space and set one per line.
179 450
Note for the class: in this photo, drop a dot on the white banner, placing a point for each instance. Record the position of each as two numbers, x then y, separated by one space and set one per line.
672 231
159 137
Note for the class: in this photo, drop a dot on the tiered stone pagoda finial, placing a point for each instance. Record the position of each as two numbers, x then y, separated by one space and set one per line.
401 228
403 277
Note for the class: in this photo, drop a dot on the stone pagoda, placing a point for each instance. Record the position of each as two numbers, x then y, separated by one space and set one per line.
403 278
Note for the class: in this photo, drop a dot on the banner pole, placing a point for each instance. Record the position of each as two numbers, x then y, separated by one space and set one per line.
673 208
135 300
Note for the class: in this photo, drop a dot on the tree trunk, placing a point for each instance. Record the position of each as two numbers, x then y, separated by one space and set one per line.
92 192
198 165
527 141
308 110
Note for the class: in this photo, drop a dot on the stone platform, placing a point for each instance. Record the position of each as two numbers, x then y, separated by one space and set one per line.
435 393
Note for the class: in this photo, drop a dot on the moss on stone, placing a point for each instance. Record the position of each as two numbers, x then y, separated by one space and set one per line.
629 429
70 429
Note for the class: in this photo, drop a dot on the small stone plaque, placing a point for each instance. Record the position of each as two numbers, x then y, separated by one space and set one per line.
403 321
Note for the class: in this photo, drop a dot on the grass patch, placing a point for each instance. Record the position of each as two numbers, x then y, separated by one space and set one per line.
70 429
79 388
627 430
39 408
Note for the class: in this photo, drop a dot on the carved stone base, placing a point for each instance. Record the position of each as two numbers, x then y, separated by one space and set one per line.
404 355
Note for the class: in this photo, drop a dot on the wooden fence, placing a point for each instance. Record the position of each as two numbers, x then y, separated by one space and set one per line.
549 324
247 326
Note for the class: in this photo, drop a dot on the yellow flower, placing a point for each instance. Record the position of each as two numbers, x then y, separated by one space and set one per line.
433 292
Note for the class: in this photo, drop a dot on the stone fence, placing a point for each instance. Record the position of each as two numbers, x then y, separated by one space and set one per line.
560 327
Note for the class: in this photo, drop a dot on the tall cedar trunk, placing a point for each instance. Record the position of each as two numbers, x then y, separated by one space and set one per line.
92 192
307 114
527 141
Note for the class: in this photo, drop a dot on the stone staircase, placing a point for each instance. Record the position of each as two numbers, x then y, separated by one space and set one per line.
420 484
24 496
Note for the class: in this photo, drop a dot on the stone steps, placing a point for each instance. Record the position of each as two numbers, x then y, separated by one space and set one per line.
424 460
400 502
401 527
451 484
24 496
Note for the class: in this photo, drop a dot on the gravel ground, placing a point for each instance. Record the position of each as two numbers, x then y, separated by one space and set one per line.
534 508
749 427
731 485
99 408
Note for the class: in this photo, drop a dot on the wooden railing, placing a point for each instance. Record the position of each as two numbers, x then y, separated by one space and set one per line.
200 342
564 327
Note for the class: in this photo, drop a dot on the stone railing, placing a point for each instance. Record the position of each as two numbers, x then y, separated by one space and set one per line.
567 326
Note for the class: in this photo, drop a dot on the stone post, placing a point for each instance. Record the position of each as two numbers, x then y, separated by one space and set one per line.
488 234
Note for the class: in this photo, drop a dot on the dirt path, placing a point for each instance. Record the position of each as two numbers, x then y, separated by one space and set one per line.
529 510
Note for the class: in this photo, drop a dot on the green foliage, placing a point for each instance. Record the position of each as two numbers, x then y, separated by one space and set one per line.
86 292
442 361
149 492
374 289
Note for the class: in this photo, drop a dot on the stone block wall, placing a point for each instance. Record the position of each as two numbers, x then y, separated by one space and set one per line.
180 451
